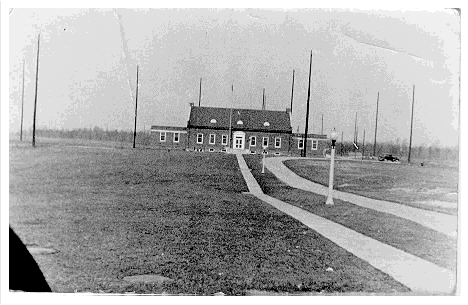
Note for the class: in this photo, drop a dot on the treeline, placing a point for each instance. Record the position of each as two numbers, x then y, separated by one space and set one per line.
401 150
397 147
95 133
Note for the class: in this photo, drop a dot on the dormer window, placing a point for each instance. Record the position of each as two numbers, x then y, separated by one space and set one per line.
240 122
266 124
213 121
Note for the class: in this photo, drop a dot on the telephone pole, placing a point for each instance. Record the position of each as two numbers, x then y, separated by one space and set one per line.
376 118
307 111
22 106
292 92
35 94
411 130
199 96
136 107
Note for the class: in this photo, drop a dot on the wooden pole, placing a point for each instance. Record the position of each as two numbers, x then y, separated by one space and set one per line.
230 116
136 107
292 92
355 136
322 124
376 119
363 144
307 111
22 106
263 100
199 95
341 144
35 94
411 129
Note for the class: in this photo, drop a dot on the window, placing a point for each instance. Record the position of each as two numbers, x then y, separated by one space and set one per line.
212 138
199 138
176 137
277 142
162 136
314 144
224 139
253 141
213 121
300 144
266 124
240 122
265 141
211 150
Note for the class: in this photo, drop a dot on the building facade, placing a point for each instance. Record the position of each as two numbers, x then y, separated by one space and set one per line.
211 129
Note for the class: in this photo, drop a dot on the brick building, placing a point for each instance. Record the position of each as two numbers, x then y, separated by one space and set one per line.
251 131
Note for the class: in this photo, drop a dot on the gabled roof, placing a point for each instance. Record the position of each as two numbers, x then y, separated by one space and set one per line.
242 119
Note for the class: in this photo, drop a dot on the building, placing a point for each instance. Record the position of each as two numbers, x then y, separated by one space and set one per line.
252 131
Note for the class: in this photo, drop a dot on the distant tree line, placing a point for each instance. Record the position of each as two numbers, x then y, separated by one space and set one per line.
398 147
434 151
95 133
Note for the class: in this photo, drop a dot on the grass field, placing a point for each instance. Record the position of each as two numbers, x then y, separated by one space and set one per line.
398 232
428 187
113 213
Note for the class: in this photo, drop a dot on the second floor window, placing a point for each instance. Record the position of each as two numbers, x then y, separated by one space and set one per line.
212 139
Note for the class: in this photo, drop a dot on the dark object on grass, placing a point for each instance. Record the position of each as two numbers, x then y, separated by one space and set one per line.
388 157
25 274
422 163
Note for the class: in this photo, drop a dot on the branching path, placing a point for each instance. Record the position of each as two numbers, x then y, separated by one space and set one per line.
443 223
417 274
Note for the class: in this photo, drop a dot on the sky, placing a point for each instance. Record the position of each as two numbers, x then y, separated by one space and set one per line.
88 61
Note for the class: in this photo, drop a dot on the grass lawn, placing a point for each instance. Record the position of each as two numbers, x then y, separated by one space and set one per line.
428 187
113 213
397 232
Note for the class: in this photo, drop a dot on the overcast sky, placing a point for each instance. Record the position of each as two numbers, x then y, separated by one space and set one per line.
88 60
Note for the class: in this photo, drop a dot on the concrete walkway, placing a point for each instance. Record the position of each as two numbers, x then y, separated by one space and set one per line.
443 223
417 274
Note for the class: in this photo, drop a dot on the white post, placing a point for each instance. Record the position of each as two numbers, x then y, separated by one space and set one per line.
333 137
263 164
330 180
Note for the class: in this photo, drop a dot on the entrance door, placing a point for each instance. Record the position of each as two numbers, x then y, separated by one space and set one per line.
239 140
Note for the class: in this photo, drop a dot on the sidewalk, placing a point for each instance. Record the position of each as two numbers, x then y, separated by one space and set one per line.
443 223
415 273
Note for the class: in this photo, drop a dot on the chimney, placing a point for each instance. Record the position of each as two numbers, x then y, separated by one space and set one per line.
191 105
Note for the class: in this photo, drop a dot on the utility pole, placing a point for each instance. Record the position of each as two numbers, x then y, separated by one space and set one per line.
35 94
322 123
263 100
292 93
355 136
376 118
230 116
411 130
199 96
307 111
136 107
22 106
341 144
363 144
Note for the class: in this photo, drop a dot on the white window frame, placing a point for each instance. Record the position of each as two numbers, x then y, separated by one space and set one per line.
254 141
162 136
214 139
314 144
278 138
267 142
198 137
178 137
224 139
299 142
